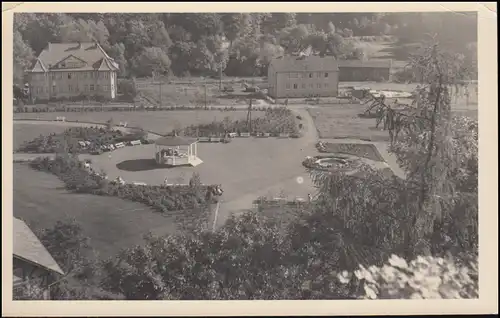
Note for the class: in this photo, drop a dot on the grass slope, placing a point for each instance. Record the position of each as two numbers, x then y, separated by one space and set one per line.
111 223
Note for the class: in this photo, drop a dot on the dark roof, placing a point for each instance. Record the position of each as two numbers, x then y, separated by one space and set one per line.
369 63
28 247
90 53
309 63
174 141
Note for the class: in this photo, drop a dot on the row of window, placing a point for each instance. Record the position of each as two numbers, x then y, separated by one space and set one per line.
304 86
307 75
71 88
73 75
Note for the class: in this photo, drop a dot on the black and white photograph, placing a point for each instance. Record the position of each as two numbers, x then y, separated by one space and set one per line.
225 155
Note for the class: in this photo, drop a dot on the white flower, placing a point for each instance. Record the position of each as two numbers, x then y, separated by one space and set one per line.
397 261
370 292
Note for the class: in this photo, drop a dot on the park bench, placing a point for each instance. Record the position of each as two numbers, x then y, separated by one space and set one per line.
135 142
203 139
60 118
119 145
245 135
232 135
215 139
284 135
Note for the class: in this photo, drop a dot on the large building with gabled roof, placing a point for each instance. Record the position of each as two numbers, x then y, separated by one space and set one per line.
66 70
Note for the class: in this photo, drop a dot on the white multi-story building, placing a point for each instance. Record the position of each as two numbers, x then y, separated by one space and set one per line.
73 69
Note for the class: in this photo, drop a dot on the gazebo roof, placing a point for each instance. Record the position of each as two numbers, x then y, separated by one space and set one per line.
174 141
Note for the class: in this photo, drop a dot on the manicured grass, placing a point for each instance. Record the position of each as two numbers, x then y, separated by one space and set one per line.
28 132
368 151
161 122
342 121
111 223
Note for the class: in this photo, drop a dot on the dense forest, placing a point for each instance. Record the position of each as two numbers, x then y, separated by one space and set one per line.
182 44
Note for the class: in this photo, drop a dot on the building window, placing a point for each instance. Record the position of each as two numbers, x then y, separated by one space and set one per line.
69 75
54 89
70 88
106 75
310 75
326 74
287 85
91 87
295 86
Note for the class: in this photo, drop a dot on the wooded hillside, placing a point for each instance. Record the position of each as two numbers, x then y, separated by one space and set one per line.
182 44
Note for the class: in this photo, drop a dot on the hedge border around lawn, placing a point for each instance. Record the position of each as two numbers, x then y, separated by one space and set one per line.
76 178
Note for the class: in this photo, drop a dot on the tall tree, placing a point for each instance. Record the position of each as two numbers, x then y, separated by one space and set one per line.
23 57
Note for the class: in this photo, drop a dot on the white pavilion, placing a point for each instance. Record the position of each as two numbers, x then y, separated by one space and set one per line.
177 151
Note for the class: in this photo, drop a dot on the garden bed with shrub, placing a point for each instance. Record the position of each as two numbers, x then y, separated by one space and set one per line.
368 151
95 136
276 121
165 199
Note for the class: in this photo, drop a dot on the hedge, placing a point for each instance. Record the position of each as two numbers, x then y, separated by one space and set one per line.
163 199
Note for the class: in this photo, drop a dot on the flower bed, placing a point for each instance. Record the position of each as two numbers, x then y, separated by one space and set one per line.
336 163
95 137
275 121
78 178
368 151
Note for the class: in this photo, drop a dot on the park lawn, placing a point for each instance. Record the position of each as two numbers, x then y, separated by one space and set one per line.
339 121
160 122
111 223
27 132
368 151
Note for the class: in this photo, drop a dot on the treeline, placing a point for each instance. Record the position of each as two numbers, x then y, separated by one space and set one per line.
182 44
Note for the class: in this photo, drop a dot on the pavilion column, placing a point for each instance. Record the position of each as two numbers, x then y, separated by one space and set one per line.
196 149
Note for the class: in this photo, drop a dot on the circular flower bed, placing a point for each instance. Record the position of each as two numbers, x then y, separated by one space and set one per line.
338 163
